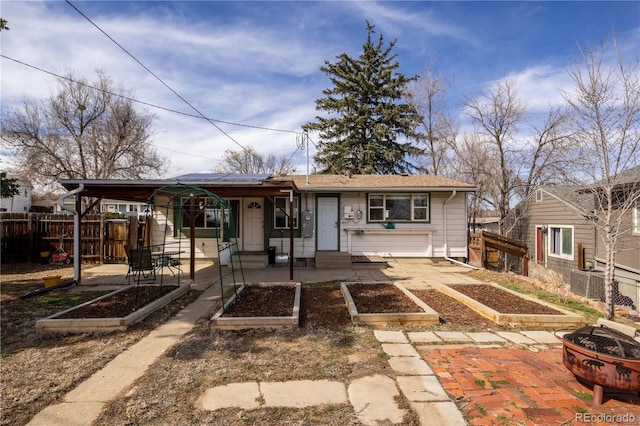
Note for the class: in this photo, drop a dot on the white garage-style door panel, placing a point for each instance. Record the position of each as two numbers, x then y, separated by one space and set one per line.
253 224
405 245
327 223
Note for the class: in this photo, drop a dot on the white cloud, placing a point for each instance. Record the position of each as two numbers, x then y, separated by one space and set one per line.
540 86
396 19
226 72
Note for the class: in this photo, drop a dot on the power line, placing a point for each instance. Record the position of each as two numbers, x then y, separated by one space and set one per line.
156 77
151 105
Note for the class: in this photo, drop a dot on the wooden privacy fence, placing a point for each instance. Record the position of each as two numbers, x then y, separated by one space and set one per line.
25 236
485 248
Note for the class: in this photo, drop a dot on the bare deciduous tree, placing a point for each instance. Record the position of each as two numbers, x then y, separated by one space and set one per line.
84 131
426 95
250 161
475 163
517 163
498 113
605 105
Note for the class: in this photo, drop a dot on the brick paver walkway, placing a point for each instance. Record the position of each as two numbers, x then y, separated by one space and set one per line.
528 386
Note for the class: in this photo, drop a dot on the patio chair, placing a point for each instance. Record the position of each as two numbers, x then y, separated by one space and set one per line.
141 265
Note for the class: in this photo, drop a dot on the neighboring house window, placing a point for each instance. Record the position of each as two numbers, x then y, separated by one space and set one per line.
281 213
400 207
561 242
538 195
636 219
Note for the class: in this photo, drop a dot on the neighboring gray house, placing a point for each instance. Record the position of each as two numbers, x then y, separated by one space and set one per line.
558 236
552 222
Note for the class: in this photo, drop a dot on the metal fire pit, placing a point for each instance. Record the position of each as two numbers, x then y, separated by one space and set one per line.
603 356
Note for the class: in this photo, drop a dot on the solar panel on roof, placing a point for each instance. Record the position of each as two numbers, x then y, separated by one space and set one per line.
221 177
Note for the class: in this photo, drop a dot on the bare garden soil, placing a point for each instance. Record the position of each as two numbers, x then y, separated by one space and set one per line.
121 304
38 368
502 301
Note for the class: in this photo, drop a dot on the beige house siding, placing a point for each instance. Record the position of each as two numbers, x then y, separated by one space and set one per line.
356 235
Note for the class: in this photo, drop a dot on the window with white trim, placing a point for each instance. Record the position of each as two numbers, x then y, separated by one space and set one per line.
281 213
636 218
561 241
207 215
399 207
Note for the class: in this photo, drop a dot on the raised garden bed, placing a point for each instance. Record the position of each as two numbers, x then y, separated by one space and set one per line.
113 311
385 303
261 305
514 308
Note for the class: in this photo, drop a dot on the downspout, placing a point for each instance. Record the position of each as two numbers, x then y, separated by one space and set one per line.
446 243
76 229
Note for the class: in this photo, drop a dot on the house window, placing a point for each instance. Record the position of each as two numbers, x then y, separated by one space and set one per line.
208 216
636 219
399 207
561 242
538 195
281 213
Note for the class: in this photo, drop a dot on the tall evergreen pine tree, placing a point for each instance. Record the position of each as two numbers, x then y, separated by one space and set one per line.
366 114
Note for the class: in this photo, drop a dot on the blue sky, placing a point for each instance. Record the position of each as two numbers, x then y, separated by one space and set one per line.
257 62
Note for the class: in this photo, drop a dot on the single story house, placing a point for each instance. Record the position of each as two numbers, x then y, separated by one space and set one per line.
353 215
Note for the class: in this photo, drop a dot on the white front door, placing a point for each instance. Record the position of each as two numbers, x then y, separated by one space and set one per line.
328 223
253 224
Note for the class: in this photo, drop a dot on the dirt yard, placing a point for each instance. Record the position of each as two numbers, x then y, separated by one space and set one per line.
38 369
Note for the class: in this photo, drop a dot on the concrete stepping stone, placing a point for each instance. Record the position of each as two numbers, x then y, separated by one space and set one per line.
424 337
399 349
68 414
516 338
453 336
443 413
422 388
373 399
241 395
484 337
303 393
410 366
543 337
390 336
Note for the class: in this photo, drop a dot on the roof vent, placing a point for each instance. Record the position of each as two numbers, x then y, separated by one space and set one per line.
404 174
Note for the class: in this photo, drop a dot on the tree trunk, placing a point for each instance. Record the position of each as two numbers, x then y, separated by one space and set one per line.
609 246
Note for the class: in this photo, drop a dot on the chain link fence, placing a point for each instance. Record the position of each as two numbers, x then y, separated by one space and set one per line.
591 284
